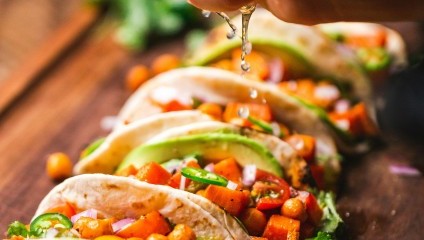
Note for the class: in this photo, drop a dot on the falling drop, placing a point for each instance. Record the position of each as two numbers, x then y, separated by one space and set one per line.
245 66
253 93
206 13
243 112
231 34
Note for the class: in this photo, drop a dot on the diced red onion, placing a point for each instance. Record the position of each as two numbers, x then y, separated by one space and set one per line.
51 233
91 213
302 195
327 92
182 183
276 71
249 175
293 192
121 224
342 106
210 167
404 170
232 185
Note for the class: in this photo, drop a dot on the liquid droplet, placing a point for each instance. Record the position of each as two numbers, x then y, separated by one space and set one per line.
248 48
347 214
206 13
231 34
243 112
245 66
253 93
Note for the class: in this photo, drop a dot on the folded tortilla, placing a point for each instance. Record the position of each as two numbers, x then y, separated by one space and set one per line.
124 197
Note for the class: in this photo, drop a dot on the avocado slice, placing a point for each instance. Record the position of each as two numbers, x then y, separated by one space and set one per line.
91 148
213 146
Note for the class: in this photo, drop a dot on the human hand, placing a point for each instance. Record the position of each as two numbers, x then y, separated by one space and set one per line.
320 11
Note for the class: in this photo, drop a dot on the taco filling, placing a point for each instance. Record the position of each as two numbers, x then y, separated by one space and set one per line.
263 201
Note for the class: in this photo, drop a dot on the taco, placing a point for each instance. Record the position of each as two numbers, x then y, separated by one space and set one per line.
305 63
95 205
236 173
377 47
203 89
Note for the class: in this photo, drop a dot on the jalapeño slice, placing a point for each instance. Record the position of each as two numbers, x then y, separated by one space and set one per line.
48 220
203 176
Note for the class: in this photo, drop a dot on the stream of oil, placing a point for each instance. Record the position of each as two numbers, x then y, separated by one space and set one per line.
246 47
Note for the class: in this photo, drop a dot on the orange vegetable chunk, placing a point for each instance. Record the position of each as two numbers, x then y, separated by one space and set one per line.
146 225
233 201
153 173
229 169
280 227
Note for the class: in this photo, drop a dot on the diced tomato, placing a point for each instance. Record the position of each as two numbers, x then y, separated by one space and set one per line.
66 209
317 172
256 110
268 177
304 146
280 227
233 201
229 169
151 223
268 203
175 105
153 173
313 210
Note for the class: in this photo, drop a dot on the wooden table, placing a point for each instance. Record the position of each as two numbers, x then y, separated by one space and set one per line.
63 110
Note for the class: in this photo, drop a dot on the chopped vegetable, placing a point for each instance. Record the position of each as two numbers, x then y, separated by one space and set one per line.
256 110
212 109
314 211
264 126
128 171
182 232
304 145
377 39
91 228
156 236
58 166
229 169
65 209
136 76
258 64
254 221
153 173
203 176
404 170
374 59
233 201
42 223
165 62
331 219
175 105
280 227
151 223
17 228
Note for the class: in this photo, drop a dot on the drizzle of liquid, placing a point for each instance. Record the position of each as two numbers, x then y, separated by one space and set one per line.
246 46
253 93
232 33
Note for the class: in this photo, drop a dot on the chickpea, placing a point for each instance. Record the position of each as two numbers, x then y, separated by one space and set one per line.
294 208
58 166
92 228
212 109
182 232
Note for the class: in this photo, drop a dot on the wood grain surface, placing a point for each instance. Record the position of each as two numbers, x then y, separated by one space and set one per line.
62 112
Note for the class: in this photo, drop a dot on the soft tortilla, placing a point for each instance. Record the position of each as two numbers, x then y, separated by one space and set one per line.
123 197
109 155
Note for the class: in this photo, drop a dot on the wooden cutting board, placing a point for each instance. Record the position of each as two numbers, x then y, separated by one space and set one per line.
63 110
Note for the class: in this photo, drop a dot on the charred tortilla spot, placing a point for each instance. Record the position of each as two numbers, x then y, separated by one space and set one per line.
137 205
